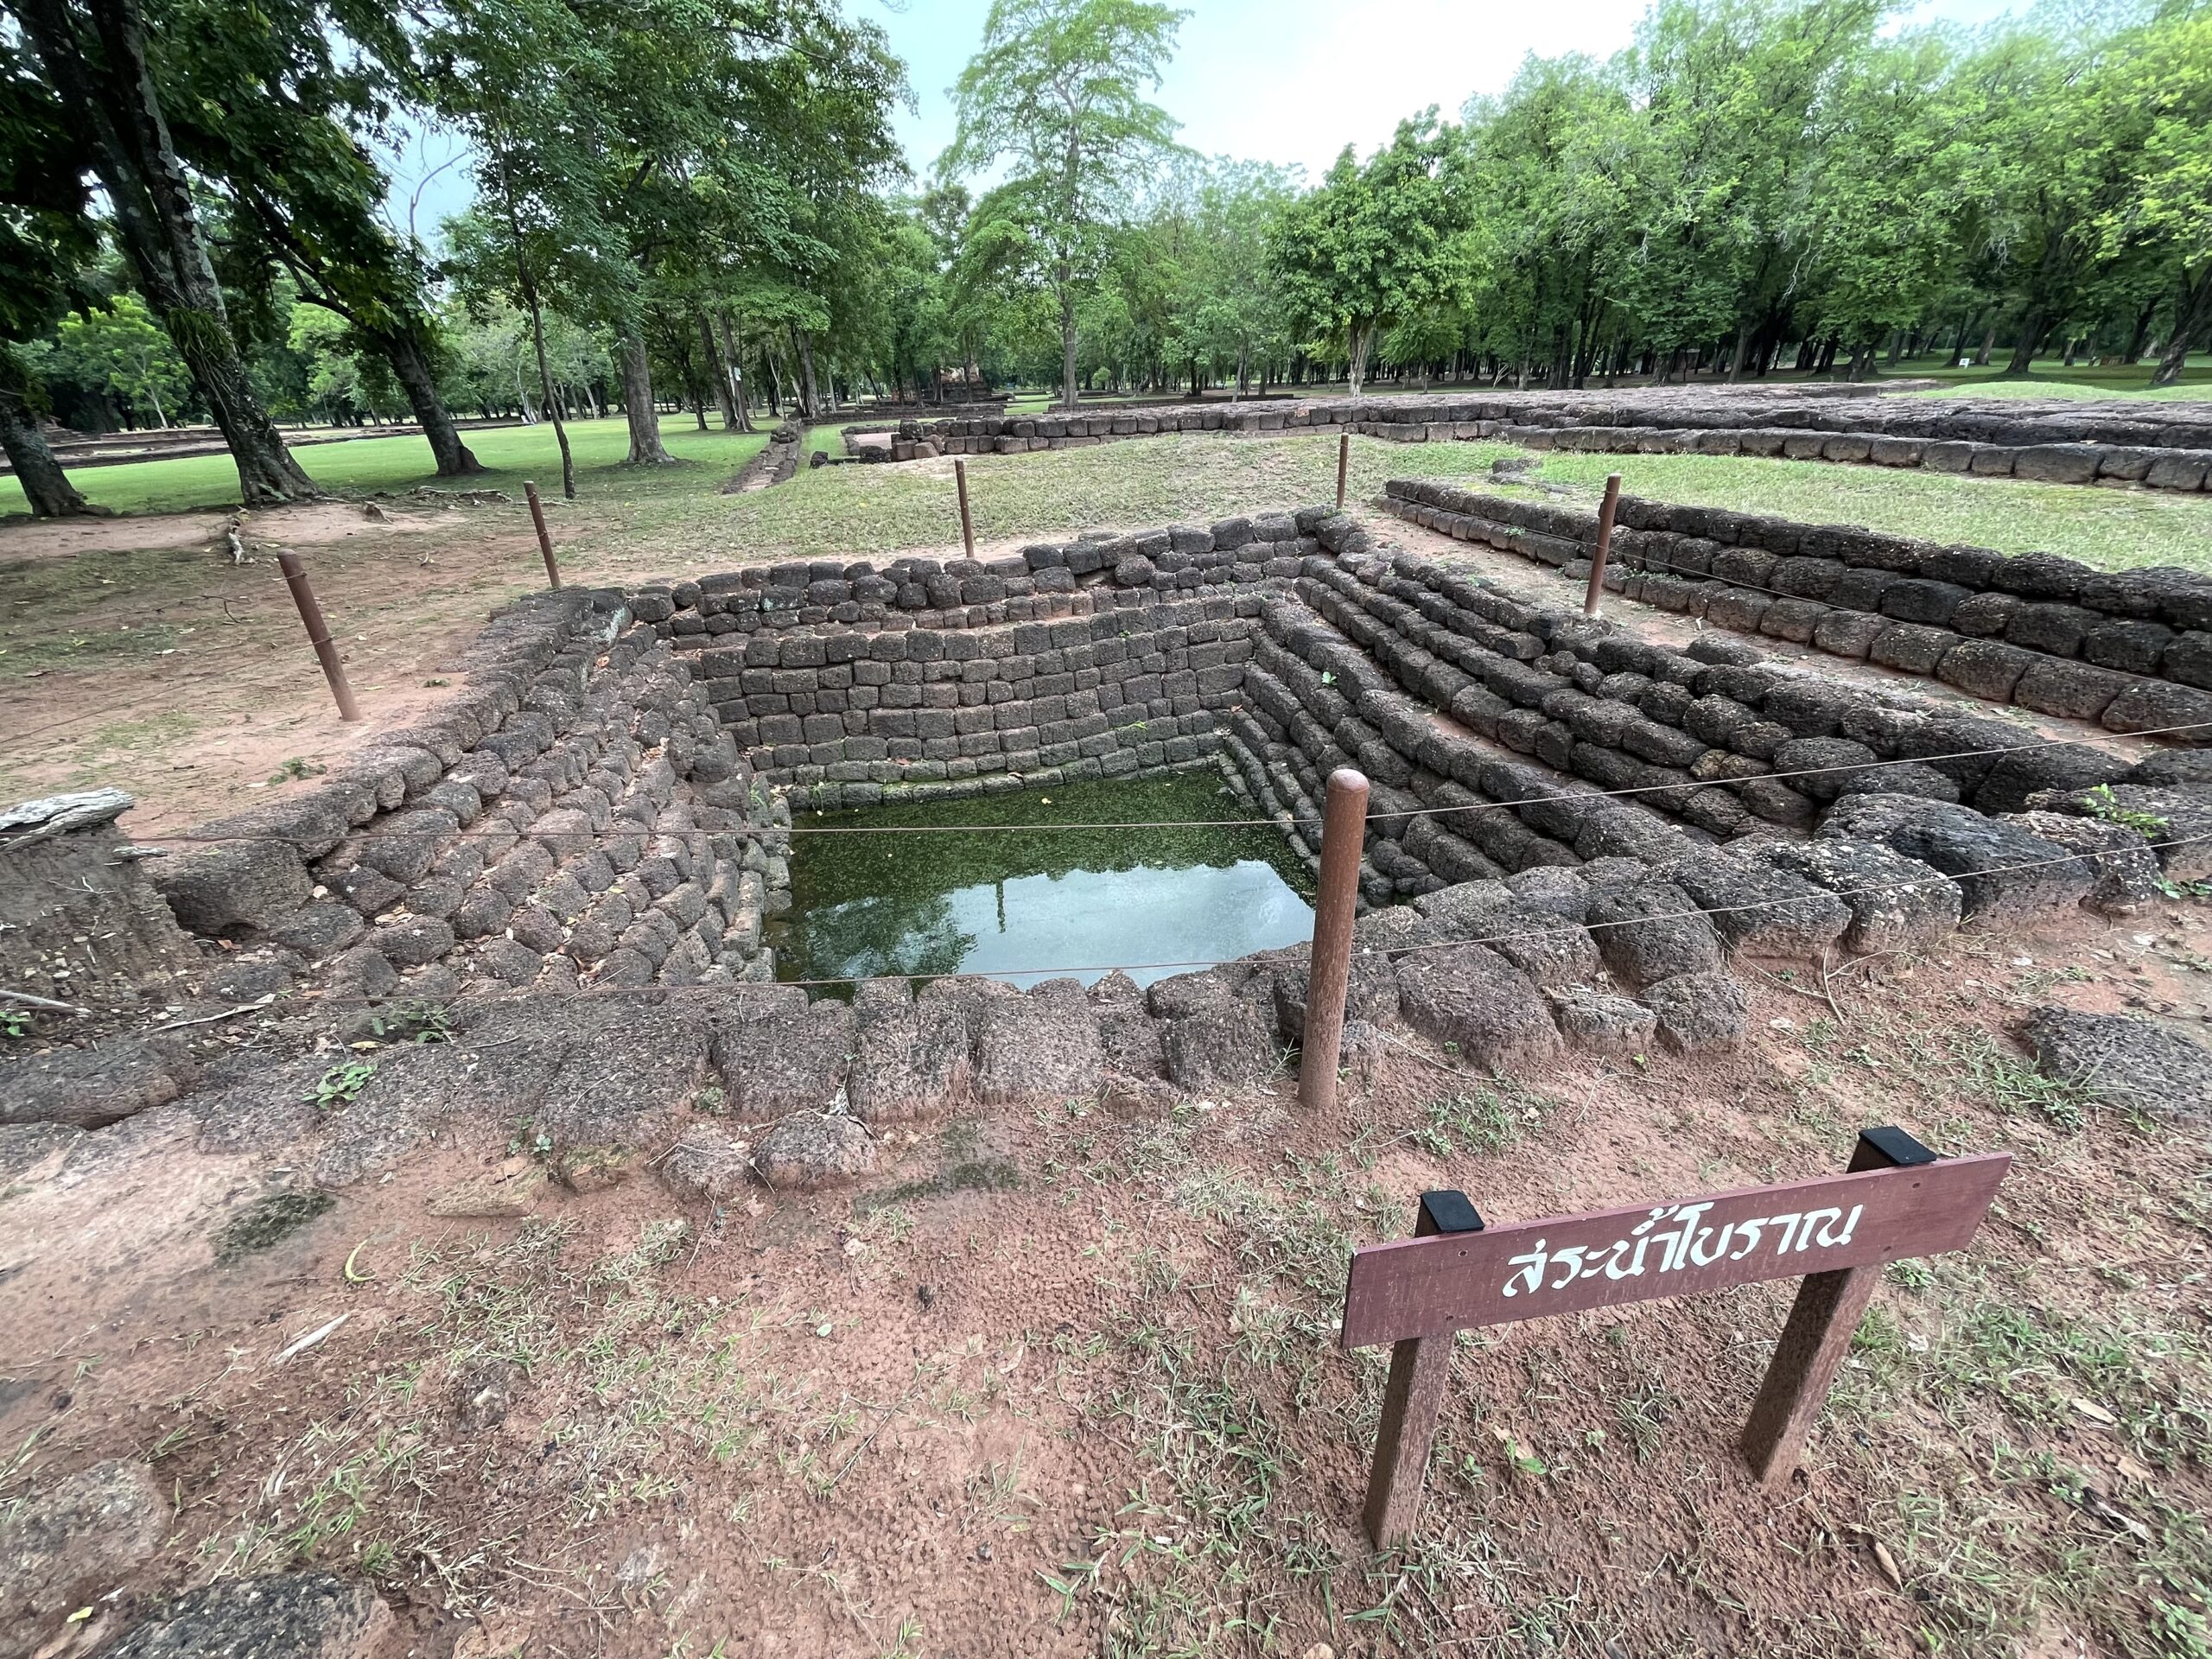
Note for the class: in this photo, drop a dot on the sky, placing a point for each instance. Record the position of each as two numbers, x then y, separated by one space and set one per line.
1293 81
1290 81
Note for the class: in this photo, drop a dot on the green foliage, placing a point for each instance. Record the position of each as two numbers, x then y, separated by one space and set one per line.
341 1084
1377 246
1056 95
121 349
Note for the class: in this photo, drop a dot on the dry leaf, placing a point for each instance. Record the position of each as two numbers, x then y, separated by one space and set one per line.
1888 1563
2096 1414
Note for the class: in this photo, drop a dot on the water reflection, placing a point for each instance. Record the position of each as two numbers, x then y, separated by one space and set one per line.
1008 904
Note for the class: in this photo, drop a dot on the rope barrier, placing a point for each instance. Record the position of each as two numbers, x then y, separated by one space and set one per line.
1854 766
1565 928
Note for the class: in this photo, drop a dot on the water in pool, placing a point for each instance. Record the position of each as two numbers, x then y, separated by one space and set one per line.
1008 903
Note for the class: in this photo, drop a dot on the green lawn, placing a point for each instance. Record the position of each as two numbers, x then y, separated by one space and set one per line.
362 465
2048 379
2112 530
677 516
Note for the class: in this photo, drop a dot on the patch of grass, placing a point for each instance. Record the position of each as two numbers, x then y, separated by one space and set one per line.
963 1166
86 647
2110 530
510 454
267 1220
1481 1122
2011 1083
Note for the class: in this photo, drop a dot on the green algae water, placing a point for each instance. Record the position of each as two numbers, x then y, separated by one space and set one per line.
1008 903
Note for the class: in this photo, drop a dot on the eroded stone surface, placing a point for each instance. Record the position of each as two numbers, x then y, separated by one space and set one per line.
88 1087
1471 999
1701 1011
284 1616
2130 1062
1603 1022
811 1150
1044 1046
1896 903
71 1541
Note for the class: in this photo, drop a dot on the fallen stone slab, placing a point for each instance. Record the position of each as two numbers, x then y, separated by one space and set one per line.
2004 873
1651 931
70 1541
2129 1063
1701 1011
2126 870
811 1150
1042 1045
778 1052
284 1616
1896 903
707 1164
2175 820
1468 997
1226 1044
1759 907
1603 1022
910 1062
111 1080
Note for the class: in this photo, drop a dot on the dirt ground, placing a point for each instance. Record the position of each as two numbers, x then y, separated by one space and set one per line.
1056 1382
156 664
133 651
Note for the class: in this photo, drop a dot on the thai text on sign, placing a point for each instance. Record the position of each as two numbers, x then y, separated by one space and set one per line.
1522 1270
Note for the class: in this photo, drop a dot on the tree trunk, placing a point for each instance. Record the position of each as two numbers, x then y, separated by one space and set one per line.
550 403
1742 347
149 195
2192 313
1067 341
410 366
2140 337
1988 344
45 485
718 365
1361 341
2023 349
733 367
1862 361
809 395
646 447
1959 345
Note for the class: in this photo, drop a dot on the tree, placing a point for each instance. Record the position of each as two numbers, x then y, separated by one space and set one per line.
1058 92
1374 245
46 240
93 53
2167 80
119 347
266 97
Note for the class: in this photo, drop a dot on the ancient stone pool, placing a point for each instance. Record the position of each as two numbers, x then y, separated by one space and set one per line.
1008 902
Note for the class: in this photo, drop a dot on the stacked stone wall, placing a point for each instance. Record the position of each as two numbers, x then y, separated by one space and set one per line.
2131 649
575 813
2168 448
1584 829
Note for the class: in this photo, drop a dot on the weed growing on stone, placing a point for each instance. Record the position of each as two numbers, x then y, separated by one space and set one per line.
340 1085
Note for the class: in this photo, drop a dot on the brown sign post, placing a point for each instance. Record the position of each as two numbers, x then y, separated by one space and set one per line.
1836 1232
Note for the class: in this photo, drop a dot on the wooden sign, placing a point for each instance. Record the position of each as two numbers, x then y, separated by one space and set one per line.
1836 1232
